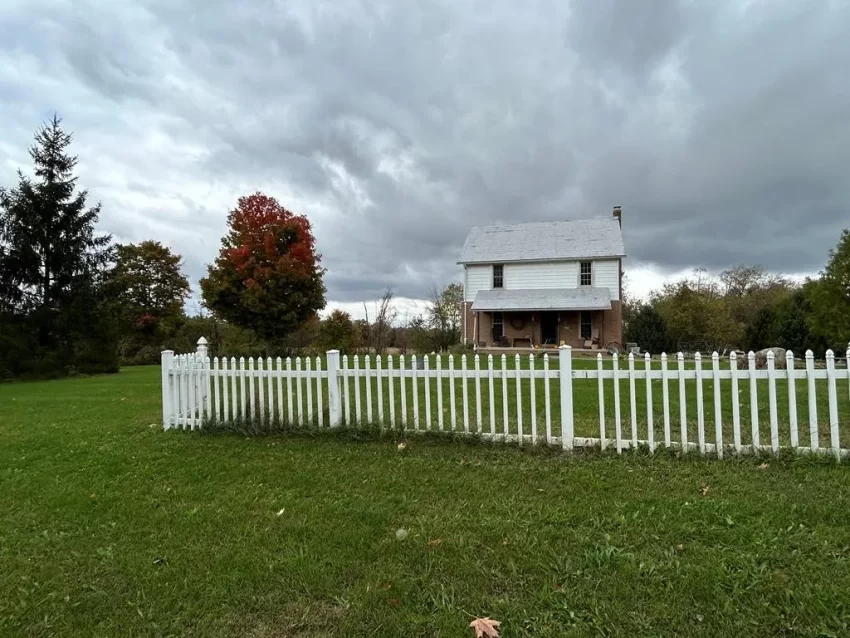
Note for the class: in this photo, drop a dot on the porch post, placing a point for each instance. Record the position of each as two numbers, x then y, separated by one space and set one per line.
475 329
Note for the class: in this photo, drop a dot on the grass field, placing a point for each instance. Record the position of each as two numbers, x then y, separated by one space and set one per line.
111 527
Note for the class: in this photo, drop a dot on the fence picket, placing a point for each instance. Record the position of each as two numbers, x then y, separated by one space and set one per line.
190 394
517 366
243 389
252 389
465 393
414 383
278 375
533 396
290 403
208 413
718 415
238 379
346 395
270 386
262 407
736 399
440 393
477 395
633 400
832 395
298 378
683 403
189 420
601 390
189 385
195 390
379 383
814 437
367 375
700 404
650 426
618 426
491 390
356 381
427 392
754 400
225 403
391 387
320 406
771 392
308 381
505 426
217 389
403 391
665 398
547 401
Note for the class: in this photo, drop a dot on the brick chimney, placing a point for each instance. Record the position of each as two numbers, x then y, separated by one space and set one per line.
618 213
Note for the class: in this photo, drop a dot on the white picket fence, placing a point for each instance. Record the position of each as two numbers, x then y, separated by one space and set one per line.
502 403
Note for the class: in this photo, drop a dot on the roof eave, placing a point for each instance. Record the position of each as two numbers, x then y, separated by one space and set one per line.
466 262
541 309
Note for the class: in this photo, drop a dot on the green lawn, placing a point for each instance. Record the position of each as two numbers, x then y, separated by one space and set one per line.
111 527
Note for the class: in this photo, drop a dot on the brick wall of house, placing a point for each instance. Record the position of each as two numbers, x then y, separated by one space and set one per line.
612 325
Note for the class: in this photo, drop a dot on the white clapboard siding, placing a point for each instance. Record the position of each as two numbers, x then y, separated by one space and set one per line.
515 399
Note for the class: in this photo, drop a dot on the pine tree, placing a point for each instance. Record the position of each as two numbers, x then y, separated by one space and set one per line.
47 232
52 261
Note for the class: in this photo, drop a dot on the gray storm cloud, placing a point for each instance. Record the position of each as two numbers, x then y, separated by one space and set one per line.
721 128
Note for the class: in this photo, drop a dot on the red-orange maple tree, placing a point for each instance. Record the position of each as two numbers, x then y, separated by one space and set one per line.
267 276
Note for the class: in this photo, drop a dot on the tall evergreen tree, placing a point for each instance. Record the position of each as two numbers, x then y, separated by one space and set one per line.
48 234
52 261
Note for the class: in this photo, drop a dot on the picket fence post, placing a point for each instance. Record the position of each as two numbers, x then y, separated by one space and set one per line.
334 403
565 363
202 389
167 408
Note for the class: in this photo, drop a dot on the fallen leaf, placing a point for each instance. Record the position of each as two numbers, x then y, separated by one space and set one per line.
400 534
485 628
402 447
704 490
435 541
764 466
282 510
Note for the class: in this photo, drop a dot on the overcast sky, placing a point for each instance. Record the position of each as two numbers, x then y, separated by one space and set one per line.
722 128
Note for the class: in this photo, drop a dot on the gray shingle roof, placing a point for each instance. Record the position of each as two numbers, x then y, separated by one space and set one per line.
540 241
542 299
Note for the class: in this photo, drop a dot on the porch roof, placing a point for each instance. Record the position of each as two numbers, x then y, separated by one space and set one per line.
542 299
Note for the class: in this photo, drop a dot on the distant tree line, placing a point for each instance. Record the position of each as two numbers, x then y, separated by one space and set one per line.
747 308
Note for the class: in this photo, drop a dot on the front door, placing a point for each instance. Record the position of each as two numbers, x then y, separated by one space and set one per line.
549 328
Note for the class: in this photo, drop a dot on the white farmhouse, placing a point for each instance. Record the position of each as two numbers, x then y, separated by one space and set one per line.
545 283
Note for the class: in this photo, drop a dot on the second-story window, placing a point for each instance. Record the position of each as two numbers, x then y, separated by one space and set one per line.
498 276
586 273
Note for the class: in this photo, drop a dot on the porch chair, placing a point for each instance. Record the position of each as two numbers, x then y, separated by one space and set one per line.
593 342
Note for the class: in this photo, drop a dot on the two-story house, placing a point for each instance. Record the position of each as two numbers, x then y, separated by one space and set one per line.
543 284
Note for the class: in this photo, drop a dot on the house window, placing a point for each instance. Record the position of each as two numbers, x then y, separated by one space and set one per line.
586 327
498 328
498 276
586 273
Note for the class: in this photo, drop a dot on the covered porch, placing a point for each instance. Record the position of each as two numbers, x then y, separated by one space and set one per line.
533 320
